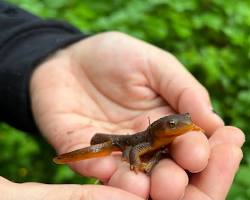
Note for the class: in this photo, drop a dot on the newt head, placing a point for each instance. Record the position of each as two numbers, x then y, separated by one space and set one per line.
173 125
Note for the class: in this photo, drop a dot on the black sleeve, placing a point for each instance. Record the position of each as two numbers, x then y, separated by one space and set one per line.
25 40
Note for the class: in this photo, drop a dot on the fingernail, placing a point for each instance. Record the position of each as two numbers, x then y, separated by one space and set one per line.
237 153
218 116
214 111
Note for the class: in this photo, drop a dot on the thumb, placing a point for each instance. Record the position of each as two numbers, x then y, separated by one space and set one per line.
37 191
181 90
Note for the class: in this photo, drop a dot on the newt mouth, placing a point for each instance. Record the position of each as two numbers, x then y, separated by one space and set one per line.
181 130
197 128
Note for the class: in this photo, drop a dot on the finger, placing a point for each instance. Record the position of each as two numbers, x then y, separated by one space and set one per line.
193 192
4 181
5 188
101 168
168 181
35 191
227 135
201 114
191 151
181 90
127 180
223 164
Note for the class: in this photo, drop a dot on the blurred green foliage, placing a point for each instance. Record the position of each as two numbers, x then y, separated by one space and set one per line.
26 158
210 37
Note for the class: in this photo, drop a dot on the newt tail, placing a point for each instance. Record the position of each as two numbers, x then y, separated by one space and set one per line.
93 151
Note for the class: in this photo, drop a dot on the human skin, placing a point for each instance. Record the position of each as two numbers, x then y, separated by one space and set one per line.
112 83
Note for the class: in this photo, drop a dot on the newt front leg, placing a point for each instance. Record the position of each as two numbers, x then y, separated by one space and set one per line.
135 156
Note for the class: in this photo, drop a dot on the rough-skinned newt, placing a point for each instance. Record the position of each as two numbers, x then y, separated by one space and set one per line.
142 150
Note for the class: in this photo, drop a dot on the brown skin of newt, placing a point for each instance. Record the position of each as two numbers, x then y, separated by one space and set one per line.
142 150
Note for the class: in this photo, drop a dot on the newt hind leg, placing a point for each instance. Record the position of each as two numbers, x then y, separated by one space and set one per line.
148 165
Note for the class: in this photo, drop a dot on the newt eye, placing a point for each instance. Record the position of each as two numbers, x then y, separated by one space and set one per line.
172 123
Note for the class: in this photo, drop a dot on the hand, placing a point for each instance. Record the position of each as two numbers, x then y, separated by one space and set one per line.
36 191
111 83
213 183
225 158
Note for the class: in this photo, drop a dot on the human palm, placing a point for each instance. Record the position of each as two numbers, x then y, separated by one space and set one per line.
112 83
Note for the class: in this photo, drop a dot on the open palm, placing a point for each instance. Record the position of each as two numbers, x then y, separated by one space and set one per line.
112 83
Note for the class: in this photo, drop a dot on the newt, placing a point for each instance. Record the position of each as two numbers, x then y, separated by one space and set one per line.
142 150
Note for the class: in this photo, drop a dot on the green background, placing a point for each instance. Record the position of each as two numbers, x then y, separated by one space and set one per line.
210 37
